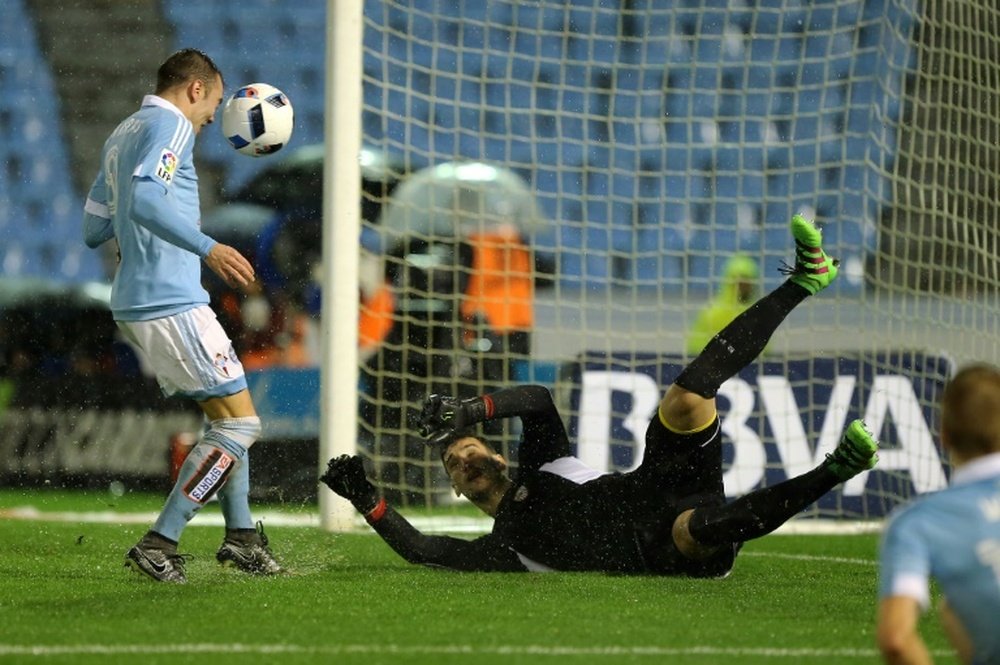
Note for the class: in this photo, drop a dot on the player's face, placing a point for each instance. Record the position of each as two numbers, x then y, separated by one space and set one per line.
204 109
473 468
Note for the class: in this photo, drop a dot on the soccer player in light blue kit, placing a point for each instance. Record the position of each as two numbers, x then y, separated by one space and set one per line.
952 535
145 198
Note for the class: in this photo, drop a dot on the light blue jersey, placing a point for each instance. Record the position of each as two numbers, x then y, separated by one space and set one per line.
146 198
953 536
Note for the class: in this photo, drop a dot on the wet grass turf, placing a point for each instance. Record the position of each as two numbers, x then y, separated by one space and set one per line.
65 598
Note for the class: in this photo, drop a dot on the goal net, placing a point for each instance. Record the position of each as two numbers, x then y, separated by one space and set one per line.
580 179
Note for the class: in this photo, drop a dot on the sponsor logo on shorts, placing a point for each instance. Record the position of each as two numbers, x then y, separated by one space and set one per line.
210 476
222 364
166 167
521 493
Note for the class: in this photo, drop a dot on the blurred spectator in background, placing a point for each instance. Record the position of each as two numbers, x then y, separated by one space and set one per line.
276 220
53 330
739 288
498 307
462 278
376 316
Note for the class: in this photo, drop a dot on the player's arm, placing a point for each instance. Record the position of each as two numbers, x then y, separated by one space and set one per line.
956 632
97 227
897 635
153 207
484 554
345 475
904 589
543 433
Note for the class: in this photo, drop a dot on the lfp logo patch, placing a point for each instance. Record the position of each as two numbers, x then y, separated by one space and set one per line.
167 166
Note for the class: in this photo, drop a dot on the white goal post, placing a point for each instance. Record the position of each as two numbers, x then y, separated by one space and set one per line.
604 160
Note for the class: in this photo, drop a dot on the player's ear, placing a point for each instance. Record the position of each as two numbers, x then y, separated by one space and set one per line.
196 89
501 462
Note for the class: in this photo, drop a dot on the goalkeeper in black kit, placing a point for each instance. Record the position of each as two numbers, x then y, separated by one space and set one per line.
669 516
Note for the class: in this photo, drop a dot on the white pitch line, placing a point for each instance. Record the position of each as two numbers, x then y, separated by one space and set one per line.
440 524
437 524
813 557
39 650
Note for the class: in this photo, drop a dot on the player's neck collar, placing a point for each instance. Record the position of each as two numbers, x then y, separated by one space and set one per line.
980 468
156 100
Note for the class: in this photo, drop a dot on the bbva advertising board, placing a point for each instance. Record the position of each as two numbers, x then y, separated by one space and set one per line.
779 419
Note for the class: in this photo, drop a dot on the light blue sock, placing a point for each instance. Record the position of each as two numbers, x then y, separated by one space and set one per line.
234 497
205 470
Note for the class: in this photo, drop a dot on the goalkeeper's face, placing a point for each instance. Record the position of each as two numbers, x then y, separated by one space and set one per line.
475 469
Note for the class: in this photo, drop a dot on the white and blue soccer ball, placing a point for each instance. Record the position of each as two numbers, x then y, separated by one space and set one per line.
258 119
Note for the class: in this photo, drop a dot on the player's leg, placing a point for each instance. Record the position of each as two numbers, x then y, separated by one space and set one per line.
688 406
689 402
245 546
193 357
699 531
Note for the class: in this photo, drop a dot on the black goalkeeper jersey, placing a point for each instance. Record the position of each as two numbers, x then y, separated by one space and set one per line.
552 521
558 514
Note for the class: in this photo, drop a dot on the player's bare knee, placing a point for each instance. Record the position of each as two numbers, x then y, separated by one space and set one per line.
685 542
682 410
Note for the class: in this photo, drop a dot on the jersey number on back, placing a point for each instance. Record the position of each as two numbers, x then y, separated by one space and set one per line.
111 179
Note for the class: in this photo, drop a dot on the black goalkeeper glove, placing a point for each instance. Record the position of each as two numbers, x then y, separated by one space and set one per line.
444 416
345 475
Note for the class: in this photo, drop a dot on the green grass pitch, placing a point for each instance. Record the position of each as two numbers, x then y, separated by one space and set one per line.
65 598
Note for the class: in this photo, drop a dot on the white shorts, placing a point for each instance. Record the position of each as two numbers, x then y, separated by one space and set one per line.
190 354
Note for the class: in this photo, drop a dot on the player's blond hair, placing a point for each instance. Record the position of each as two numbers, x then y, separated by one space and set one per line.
970 411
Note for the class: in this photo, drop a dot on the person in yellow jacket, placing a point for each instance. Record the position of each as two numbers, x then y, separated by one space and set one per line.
737 292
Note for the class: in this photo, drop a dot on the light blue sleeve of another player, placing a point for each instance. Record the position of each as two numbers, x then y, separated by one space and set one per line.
904 561
97 226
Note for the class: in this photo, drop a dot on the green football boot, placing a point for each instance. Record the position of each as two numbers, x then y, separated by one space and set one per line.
856 452
813 270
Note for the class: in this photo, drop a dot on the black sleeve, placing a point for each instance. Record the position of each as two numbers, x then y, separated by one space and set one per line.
543 435
484 554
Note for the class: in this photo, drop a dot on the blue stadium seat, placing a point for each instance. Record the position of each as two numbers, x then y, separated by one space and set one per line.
858 121
600 50
658 260
848 13
707 49
557 189
578 265
777 185
805 128
846 235
752 187
805 182
540 16
601 17
707 252
663 50
526 119
765 22
39 209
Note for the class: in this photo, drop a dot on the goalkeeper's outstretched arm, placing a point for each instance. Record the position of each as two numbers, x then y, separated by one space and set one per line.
345 475
483 554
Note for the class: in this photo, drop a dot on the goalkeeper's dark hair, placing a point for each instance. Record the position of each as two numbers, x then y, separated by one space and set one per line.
468 432
186 65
